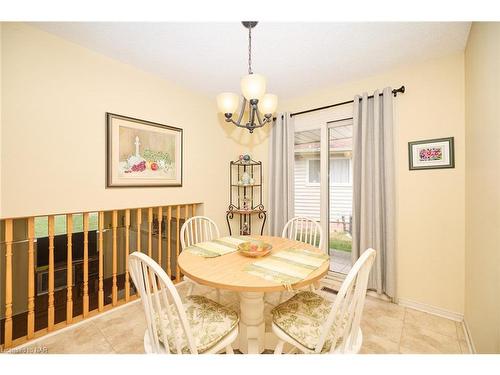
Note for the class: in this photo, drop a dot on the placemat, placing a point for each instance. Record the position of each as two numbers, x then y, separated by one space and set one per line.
287 266
218 247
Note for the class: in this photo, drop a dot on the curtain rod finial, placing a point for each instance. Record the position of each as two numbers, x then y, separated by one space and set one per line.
396 91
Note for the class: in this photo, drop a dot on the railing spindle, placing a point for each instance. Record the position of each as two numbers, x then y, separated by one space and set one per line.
127 251
169 238
115 258
139 222
150 231
177 270
160 218
69 272
51 311
85 264
9 233
31 277
101 261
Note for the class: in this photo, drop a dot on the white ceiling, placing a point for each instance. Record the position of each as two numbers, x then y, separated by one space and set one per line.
295 57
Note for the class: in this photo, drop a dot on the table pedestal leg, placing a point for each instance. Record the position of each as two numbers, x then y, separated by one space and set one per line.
252 326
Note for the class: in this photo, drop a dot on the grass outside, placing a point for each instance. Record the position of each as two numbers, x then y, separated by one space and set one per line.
341 241
42 224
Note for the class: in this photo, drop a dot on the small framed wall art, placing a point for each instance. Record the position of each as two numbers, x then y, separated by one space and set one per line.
141 153
431 154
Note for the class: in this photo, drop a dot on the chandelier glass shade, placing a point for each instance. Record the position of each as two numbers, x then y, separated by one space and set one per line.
255 99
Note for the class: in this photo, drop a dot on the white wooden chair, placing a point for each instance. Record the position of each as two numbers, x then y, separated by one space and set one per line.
195 230
305 230
312 324
199 326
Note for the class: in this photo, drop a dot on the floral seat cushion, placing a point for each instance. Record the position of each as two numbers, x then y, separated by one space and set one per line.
302 318
210 322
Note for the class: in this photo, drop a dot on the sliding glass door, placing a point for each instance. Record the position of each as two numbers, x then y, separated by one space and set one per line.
340 195
323 185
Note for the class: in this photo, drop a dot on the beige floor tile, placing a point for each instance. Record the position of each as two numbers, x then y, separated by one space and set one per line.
460 330
383 327
83 339
418 340
387 328
377 308
461 338
373 344
431 322
464 347
124 329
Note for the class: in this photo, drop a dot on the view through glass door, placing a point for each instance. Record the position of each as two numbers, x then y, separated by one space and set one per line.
307 174
340 195
309 195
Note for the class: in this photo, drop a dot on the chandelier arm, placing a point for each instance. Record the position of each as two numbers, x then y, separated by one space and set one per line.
237 124
258 117
251 118
242 111
265 121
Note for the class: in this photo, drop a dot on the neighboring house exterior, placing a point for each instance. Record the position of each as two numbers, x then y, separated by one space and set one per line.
307 181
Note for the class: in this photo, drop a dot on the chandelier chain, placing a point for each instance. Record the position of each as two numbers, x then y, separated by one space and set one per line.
250 50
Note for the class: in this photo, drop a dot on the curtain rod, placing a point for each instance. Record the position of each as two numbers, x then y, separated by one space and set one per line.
394 92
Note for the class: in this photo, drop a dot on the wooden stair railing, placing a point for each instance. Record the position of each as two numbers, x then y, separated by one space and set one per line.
71 301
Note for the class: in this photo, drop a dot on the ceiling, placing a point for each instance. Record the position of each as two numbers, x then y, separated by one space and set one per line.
295 57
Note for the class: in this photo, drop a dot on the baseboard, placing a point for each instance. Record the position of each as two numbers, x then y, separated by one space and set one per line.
431 309
468 337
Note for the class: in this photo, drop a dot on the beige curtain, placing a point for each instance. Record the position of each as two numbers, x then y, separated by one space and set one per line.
374 191
281 164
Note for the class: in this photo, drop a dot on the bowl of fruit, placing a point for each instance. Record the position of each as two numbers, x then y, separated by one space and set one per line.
254 248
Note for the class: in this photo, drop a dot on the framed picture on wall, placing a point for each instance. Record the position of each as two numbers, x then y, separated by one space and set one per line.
431 154
142 153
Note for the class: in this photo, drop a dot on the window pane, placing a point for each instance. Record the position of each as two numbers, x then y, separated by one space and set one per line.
307 173
314 170
340 171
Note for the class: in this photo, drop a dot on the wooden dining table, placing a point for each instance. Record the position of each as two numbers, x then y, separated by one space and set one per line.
227 272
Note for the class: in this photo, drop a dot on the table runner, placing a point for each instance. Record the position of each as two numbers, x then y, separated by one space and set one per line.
287 266
217 247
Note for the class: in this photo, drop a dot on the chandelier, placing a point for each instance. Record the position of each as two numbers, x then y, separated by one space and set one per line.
255 99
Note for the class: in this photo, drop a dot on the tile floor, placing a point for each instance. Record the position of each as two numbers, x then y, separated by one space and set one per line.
387 329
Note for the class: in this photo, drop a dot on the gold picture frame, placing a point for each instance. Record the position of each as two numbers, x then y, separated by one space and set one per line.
142 153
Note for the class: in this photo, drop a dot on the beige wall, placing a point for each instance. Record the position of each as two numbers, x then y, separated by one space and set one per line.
482 254
430 222
55 97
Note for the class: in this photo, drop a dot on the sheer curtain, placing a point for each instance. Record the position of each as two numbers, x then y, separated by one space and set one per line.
373 187
281 164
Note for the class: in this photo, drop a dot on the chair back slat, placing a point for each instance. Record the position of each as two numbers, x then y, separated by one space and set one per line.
345 316
305 230
162 305
198 229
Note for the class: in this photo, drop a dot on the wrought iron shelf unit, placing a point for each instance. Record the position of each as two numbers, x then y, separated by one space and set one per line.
248 185
246 200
